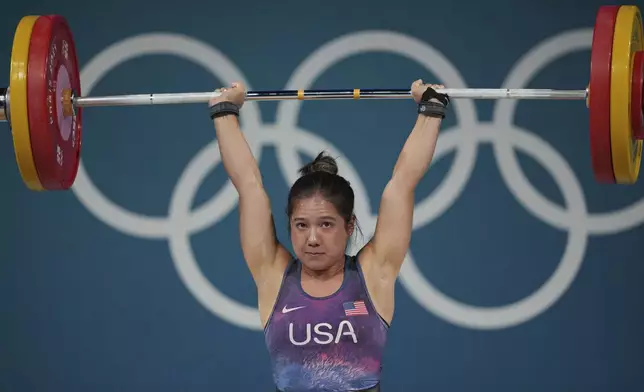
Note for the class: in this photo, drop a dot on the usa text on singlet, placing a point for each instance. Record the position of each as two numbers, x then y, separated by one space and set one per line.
332 343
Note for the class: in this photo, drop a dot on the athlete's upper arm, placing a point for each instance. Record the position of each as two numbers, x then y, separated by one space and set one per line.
392 236
262 251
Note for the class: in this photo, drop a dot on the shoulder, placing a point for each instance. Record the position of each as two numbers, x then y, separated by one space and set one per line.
372 266
274 273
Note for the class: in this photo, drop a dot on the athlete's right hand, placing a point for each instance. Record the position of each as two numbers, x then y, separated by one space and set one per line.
236 94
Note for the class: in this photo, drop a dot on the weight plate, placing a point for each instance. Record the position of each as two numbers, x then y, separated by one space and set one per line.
53 68
18 108
627 40
637 104
599 94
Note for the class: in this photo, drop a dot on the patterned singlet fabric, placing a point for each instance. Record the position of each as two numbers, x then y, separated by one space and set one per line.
329 344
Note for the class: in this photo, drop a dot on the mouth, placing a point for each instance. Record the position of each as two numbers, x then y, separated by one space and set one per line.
314 253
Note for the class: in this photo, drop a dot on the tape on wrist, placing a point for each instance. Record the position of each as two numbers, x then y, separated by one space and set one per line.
432 109
223 109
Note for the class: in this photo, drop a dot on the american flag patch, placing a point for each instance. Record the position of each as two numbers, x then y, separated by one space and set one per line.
355 308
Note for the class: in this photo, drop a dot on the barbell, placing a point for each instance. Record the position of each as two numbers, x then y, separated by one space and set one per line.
43 104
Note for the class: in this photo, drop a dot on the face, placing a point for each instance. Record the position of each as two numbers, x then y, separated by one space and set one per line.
318 233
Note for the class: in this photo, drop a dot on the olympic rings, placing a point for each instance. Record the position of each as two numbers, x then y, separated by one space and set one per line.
289 139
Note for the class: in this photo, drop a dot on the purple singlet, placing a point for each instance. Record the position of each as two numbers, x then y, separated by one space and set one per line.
332 343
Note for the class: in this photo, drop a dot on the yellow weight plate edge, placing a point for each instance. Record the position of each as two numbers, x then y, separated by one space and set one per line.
626 151
18 103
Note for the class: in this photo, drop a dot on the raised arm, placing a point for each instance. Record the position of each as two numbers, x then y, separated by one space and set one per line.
257 229
392 236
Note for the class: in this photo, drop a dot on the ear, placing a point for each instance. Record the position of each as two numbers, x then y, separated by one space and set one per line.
351 225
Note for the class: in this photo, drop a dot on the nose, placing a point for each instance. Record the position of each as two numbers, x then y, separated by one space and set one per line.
312 240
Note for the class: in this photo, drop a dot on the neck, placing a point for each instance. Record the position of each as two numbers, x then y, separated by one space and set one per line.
325 274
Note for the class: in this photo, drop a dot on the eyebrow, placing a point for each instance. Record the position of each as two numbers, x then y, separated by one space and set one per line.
326 217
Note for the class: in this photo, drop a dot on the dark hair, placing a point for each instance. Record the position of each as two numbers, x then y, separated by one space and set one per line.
320 176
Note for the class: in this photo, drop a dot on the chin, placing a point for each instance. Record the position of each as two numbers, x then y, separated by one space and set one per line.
317 263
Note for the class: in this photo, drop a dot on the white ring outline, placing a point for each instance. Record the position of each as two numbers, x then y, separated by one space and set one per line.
344 46
524 70
508 315
183 257
185 47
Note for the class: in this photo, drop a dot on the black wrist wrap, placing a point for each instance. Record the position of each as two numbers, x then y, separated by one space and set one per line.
222 109
433 104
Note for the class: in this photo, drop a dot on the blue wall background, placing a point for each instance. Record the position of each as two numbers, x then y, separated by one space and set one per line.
523 273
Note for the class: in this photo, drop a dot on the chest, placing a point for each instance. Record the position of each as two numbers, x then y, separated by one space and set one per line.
346 318
321 289
320 325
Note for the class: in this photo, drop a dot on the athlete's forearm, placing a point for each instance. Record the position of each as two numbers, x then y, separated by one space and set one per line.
236 155
416 155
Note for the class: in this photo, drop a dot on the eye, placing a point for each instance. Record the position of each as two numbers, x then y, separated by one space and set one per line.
327 224
300 225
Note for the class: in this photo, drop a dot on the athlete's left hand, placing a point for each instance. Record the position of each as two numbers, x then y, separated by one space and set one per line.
418 89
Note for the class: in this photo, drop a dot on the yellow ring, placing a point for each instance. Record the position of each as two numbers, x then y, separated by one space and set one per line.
18 105
626 151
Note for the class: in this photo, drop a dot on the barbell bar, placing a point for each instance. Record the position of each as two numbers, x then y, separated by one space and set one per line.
43 103
203 97
278 95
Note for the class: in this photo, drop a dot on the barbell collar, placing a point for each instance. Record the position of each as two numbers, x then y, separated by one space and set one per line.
4 107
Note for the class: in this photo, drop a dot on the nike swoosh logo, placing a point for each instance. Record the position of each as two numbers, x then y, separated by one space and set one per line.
286 310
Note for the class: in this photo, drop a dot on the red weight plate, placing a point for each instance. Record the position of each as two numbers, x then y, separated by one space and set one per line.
55 138
599 92
637 104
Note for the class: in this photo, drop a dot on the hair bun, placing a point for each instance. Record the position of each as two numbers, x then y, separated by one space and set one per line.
321 163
